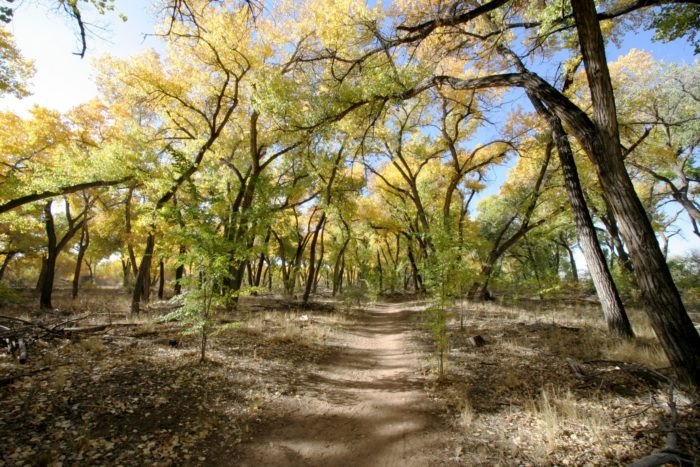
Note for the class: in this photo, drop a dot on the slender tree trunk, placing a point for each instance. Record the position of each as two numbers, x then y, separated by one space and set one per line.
381 273
142 286
8 257
161 279
572 259
126 268
179 271
417 279
127 231
82 247
338 269
48 264
665 308
311 276
319 263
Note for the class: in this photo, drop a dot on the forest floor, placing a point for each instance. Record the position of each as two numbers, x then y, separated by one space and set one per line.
334 385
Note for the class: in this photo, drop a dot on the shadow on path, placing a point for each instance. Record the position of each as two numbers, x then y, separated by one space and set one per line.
364 406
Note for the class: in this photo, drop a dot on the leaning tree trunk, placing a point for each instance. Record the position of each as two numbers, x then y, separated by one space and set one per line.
82 247
610 301
142 285
665 308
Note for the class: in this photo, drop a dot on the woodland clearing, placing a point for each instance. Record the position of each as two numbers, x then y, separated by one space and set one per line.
335 384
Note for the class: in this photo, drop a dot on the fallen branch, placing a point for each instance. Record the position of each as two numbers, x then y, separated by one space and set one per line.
671 454
136 341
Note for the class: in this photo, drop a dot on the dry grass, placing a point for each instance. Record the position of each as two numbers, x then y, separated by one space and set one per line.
467 414
526 405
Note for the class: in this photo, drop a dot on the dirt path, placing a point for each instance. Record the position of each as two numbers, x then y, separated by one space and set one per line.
366 406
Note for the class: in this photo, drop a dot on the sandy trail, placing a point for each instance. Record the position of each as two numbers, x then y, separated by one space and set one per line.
364 407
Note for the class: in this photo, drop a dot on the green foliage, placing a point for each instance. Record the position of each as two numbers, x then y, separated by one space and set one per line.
198 305
15 71
437 317
686 272
10 296
675 21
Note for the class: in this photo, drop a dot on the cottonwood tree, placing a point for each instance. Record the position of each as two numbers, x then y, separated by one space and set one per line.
473 30
192 113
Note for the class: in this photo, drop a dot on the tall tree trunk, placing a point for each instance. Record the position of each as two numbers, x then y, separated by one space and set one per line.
319 263
54 247
127 231
338 269
48 264
161 279
179 271
380 271
665 309
82 247
126 268
142 284
8 257
610 301
311 277
570 251
417 279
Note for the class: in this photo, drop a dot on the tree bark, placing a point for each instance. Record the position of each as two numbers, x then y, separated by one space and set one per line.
312 259
54 247
338 269
142 286
179 272
666 311
82 247
572 259
127 231
161 279
48 265
610 301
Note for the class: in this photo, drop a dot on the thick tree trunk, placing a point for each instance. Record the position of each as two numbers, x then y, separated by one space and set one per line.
142 286
82 247
54 247
666 311
610 301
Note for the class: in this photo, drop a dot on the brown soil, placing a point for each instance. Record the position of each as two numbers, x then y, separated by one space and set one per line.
329 386
365 405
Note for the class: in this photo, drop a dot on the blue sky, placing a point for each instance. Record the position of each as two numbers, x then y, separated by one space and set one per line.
63 80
